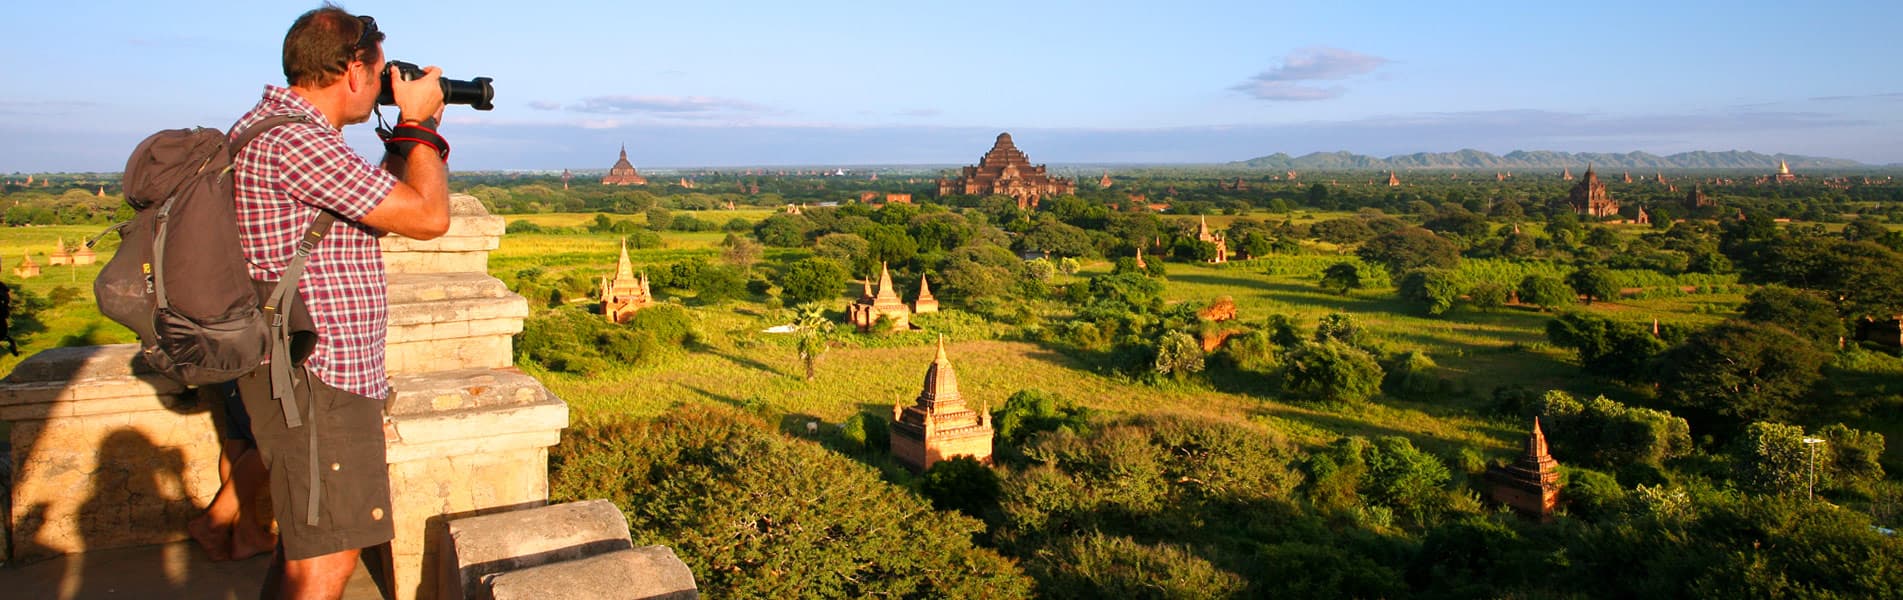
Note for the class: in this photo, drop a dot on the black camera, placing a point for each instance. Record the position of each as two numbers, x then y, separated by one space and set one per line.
476 92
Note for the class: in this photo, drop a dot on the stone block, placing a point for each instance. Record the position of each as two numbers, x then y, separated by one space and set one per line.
487 352
646 573
405 263
437 392
480 547
432 287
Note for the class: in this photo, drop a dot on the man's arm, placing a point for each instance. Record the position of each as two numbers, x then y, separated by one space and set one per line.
418 206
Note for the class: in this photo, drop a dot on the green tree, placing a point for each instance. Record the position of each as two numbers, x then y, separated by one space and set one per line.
1593 282
1403 250
1546 292
1804 312
847 249
1488 295
783 231
756 514
1332 371
815 336
1606 347
1434 291
812 280
1341 277
962 484
1177 356
659 219
1740 371
741 253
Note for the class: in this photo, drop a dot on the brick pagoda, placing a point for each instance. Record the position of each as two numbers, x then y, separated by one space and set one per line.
871 305
625 294
1530 486
939 426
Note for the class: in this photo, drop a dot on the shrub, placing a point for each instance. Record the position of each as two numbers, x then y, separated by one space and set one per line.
1412 376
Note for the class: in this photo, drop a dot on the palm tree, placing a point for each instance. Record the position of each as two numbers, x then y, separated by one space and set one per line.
816 334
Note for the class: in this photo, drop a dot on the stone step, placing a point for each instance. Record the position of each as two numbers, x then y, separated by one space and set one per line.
645 573
482 546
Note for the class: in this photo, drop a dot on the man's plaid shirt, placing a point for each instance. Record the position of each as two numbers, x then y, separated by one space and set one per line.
282 180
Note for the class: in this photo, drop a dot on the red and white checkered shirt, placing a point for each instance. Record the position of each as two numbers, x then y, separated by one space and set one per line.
282 180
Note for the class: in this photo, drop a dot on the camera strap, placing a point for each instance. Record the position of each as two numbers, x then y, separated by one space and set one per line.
400 139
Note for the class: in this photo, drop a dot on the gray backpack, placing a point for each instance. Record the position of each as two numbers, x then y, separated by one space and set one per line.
179 278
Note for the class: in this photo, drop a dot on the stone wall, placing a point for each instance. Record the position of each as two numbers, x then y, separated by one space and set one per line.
105 454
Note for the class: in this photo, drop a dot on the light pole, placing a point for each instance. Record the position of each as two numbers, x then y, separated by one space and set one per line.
1813 442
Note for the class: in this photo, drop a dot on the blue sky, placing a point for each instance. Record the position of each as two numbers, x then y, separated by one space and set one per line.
822 83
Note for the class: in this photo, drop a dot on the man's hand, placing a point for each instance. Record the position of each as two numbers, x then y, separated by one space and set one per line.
420 98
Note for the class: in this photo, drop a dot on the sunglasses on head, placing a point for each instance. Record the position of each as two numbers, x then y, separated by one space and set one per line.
365 39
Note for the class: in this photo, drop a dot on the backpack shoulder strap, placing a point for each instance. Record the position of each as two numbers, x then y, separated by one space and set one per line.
251 133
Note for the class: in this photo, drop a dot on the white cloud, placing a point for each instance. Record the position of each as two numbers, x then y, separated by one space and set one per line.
1314 63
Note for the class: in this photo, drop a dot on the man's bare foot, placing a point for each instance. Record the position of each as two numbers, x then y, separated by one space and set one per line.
248 541
215 540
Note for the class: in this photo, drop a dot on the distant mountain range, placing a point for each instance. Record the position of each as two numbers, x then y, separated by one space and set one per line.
1541 159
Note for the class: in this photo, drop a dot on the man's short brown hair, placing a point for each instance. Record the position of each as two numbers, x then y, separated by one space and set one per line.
321 44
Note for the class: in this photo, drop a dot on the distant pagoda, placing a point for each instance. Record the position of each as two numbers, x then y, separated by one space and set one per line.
625 294
1566 174
27 269
939 425
623 172
1104 182
1783 173
1530 486
59 256
926 302
1393 181
1006 171
1221 243
1697 199
1589 197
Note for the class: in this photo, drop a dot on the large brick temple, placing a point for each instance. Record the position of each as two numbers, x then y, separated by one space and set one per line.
623 172
1589 197
1006 171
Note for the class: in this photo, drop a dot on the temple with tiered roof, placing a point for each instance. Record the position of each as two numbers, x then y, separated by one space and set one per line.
926 302
625 294
1530 486
1589 197
1006 171
939 425
623 172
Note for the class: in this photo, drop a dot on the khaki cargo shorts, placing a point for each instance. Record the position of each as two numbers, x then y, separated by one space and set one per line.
353 499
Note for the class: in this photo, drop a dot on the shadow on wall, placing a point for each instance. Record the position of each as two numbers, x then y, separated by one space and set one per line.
103 454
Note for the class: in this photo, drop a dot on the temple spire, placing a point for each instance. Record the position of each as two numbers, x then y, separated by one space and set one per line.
623 268
1536 443
885 283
